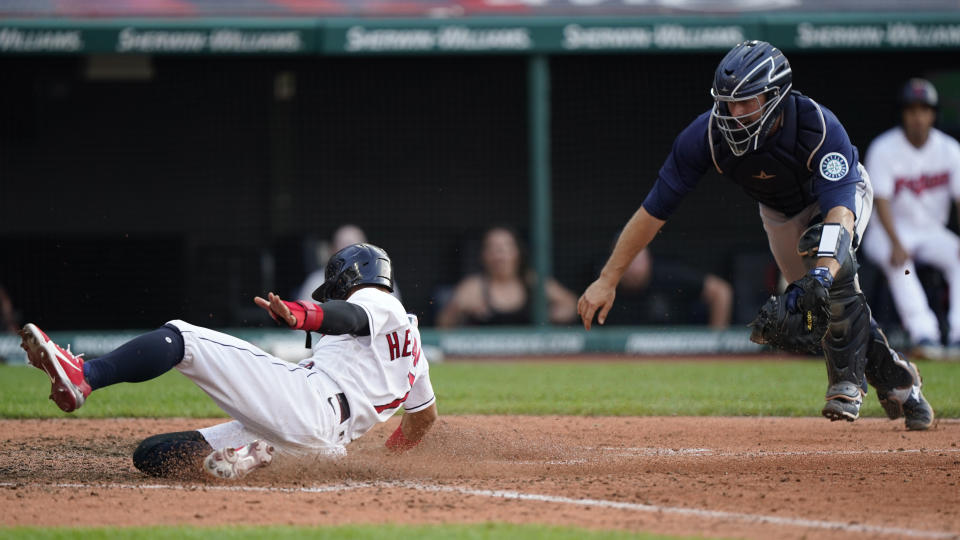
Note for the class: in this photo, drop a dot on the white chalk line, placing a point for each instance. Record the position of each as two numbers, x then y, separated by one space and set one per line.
610 452
700 452
536 497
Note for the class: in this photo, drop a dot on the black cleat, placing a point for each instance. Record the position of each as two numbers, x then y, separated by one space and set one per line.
843 402
917 411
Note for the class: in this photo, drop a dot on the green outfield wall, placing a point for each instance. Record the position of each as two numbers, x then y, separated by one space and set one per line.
497 35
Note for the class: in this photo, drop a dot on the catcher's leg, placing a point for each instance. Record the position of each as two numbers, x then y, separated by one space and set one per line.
845 350
848 335
897 382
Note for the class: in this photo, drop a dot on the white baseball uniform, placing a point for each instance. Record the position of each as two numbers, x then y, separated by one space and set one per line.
920 184
296 406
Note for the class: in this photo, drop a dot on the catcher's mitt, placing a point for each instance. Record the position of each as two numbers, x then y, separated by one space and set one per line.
800 330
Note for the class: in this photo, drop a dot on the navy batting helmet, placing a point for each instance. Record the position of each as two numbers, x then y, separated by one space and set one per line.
919 91
352 266
749 70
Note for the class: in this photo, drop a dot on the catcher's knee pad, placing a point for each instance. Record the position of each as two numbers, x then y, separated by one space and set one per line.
841 243
889 373
848 336
168 454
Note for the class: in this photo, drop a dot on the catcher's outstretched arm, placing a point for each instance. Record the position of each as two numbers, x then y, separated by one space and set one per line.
598 298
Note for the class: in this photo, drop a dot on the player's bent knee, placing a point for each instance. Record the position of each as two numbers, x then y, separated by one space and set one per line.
170 454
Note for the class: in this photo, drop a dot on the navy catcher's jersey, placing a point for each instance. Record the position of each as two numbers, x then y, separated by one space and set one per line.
809 159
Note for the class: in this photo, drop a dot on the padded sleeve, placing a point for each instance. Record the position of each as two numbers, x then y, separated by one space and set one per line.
340 317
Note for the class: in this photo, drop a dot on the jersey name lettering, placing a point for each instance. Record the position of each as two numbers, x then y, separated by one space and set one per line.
411 347
924 182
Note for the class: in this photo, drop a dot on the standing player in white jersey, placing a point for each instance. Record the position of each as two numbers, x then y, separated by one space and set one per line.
366 365
915 170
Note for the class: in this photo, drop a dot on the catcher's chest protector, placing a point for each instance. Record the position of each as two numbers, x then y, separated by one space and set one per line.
777 174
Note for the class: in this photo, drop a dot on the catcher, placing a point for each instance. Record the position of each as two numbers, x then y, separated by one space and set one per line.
794 157
367 364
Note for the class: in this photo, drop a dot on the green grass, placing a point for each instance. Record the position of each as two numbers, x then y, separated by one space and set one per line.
352 532
24 391
783 388
788 388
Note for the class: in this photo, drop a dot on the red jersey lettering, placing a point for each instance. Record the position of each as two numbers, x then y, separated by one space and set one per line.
406 344
393 341
921 183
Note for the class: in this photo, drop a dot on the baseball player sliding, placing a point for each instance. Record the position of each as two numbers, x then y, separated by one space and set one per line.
915 169
367 364
793 156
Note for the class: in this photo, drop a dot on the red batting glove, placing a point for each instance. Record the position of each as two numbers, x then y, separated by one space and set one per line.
309 315
398 443
296 315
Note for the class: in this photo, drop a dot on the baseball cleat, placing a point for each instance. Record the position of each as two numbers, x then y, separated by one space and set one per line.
843 402
917 411
68 387
235 463
908 402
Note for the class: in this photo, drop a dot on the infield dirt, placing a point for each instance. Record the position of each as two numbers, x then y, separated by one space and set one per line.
730 477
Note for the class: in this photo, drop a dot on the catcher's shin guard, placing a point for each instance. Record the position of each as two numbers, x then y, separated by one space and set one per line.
897 382
845 350
848 335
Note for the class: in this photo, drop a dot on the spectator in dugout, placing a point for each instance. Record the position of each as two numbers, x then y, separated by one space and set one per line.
501 293
670 293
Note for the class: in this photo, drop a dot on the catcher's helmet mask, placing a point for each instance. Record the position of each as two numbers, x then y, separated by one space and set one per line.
354 266
749 70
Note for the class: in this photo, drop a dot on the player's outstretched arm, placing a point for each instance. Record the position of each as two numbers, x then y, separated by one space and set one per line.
598 298
277 309
412 428
334 317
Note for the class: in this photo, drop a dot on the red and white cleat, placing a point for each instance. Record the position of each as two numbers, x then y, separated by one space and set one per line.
68 387
234 463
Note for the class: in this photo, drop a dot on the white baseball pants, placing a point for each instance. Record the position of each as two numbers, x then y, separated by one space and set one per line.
938 247
292 407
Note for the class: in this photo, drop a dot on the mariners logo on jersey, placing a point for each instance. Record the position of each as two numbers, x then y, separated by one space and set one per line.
834 166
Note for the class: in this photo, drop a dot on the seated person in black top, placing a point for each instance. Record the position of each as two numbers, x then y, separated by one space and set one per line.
669 293
501 293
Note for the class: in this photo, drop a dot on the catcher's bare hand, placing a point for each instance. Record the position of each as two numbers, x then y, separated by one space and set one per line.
277 309
597 299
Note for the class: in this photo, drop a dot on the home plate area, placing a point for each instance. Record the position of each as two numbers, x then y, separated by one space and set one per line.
709 476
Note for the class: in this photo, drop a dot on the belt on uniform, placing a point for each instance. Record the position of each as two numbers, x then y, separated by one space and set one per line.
344 407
